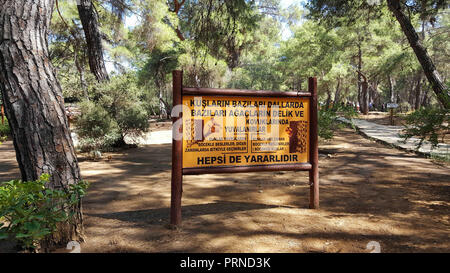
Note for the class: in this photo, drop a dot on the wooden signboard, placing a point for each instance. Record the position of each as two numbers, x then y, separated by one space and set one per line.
235 131
391 105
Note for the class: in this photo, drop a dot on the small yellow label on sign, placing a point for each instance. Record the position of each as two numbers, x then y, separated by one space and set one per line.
244 131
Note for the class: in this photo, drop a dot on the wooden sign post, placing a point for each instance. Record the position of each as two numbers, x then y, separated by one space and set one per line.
239 131
392 107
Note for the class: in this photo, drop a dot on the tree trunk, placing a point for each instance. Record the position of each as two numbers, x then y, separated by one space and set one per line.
328 98
34 104
365 98
80 68
425 98
409 90
337 94
418 92
359 76
374 94
89 20
421 53
162 107
364 104
391 83
177 6
234 55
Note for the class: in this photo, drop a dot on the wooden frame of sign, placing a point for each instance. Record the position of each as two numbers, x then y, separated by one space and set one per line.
310 155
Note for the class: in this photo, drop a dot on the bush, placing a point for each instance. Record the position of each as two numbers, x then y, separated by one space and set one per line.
117 113
427 124
327 123
5 131
327 119
33 211
346 111
95 127
95 121
133 121
104 143
4 128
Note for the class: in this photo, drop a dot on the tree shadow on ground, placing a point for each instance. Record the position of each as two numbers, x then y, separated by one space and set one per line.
151 216
392 197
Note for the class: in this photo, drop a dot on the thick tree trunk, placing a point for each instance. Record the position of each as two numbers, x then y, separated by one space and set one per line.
34 104
89 20
421 53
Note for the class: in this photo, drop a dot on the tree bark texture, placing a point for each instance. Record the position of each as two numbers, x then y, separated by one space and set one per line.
421 53
33 101
89 20
176 9
365 97
391 83
328 103
359 75
80 68
337 94
418 92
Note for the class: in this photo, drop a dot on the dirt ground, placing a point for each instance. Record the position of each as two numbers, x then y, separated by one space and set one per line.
383 118
156 125
369 192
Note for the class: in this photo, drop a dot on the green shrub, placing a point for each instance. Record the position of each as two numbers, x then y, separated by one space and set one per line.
95 127
133 121
116 113
444 157
5 131
104 143
427 124
30 211
404 107
122 99
327 123
4 128
95 121
347 112
327 119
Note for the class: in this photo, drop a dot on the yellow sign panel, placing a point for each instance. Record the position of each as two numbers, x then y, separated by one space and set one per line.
244 131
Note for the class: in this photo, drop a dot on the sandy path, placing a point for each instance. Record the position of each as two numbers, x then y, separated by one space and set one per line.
159 133
368 193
